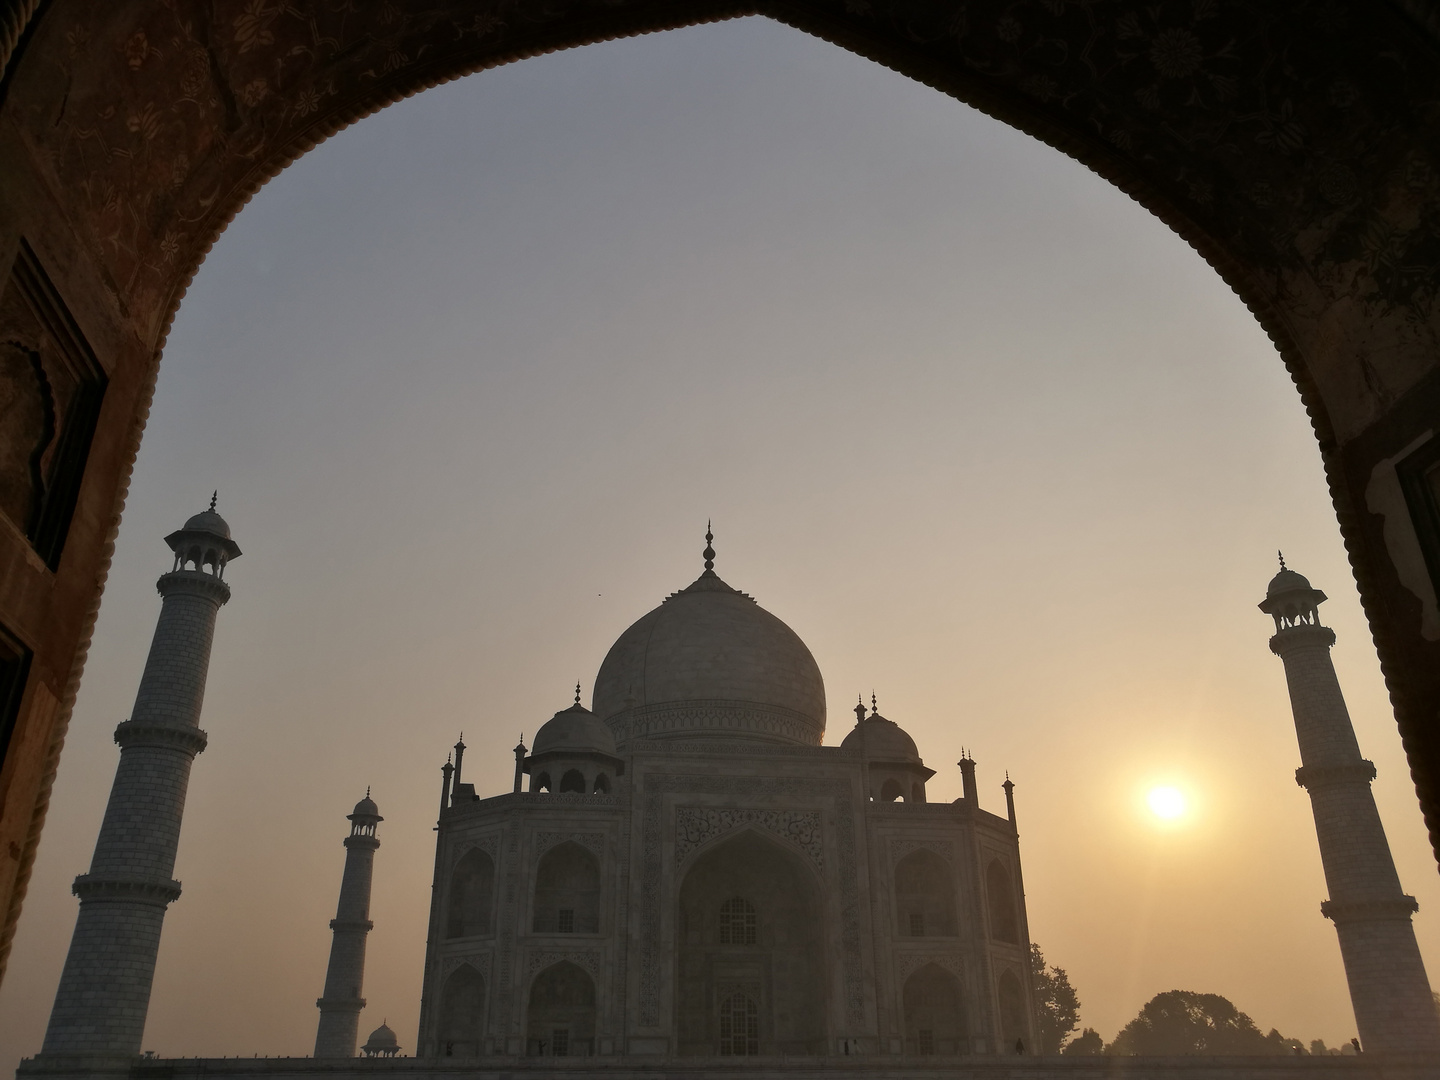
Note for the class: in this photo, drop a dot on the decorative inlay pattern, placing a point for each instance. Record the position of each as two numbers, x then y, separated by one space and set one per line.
595 841
479 961
944 848
697 825
488 843
588 959
717 716
836 791
907 963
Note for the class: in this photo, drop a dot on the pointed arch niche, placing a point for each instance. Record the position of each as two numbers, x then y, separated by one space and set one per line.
751 931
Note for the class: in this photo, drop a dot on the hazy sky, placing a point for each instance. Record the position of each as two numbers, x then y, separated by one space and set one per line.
470 379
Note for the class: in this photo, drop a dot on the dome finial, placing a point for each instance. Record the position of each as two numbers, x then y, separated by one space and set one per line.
577 693
367 791
709 551
1282 560
213 496
874 708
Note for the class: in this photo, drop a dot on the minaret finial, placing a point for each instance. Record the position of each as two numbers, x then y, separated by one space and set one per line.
1282 559
213 496
874 708
367 791
709 551
577 693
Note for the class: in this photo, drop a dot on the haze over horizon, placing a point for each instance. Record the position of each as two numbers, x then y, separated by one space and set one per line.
471 377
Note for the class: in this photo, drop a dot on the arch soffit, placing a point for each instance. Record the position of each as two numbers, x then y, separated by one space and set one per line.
1112 98
693 856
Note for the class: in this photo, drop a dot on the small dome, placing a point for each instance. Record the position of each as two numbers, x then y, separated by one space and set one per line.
366 808
209 521
881 738
709 661
1287 581
382 1038
575 730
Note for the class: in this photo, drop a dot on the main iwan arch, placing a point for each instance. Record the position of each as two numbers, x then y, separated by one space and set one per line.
1298 152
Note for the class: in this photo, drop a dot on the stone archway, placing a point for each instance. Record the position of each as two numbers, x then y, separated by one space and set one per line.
752 948
131 132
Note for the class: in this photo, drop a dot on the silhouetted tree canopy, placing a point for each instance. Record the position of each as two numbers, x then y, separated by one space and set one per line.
1087 1043
1057 1008
1184 1022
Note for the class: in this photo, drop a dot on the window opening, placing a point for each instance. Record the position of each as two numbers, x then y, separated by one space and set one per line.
927 1041
560 1042
917 925
739 1026
737 922
565 924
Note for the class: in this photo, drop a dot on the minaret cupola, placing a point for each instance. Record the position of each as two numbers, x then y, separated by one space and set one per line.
1291 601
204 541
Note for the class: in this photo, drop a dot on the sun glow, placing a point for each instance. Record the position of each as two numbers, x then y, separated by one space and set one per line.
1166 803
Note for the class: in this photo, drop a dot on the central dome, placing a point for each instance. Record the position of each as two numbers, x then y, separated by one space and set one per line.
709 662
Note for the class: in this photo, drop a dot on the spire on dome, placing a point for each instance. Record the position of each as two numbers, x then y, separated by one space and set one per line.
577 693
874 708
1282 560
213 496
709 551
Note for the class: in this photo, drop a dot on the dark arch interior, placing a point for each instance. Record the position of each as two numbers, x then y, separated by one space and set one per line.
1004 925
750 923
470 901
925 896
561 1017
567 891
1013 1028
462 1013
934 1013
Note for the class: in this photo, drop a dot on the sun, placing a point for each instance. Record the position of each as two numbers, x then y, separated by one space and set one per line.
1166 803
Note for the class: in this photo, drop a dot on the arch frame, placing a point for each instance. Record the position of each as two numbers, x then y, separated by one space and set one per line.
1364 368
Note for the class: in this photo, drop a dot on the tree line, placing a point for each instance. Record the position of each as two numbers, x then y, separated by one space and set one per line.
1177 1022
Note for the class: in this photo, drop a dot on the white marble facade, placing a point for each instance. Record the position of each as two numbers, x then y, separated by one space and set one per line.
690 873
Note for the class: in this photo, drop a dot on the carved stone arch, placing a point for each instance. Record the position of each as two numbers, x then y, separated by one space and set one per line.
698 828
464 998
902 846
486 842
907 963
595 841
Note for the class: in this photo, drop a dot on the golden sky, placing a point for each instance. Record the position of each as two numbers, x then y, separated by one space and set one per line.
470 379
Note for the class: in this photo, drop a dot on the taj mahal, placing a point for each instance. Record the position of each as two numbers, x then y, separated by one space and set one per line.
684 877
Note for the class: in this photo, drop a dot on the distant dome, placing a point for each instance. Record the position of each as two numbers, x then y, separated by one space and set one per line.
710 662
1287 581
381 1043
209 521
366 808
575 730
882 739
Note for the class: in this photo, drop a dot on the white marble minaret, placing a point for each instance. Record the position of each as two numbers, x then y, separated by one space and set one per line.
1388 988
341 1004
105 986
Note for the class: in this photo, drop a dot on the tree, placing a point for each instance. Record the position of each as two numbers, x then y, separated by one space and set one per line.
1088 1043
1057 1008
1184 1022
